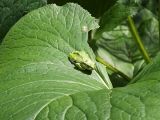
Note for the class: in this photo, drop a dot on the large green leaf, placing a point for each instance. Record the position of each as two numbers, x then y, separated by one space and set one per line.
37 81
35 68
12 10
139 101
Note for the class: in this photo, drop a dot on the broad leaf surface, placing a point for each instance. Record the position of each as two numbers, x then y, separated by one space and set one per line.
37 81
12 10
34 60
139 101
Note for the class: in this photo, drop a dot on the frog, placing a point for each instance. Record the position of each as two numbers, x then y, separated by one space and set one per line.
81 60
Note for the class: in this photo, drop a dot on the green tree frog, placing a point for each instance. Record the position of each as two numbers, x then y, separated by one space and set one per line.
81 60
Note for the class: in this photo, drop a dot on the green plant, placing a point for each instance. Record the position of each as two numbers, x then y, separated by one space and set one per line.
39 82
12 10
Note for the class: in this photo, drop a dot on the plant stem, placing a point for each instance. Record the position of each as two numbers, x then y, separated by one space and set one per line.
115 70
138 40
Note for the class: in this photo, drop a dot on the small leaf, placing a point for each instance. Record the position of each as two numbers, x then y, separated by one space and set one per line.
114 17
149 33
151 72
12 10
